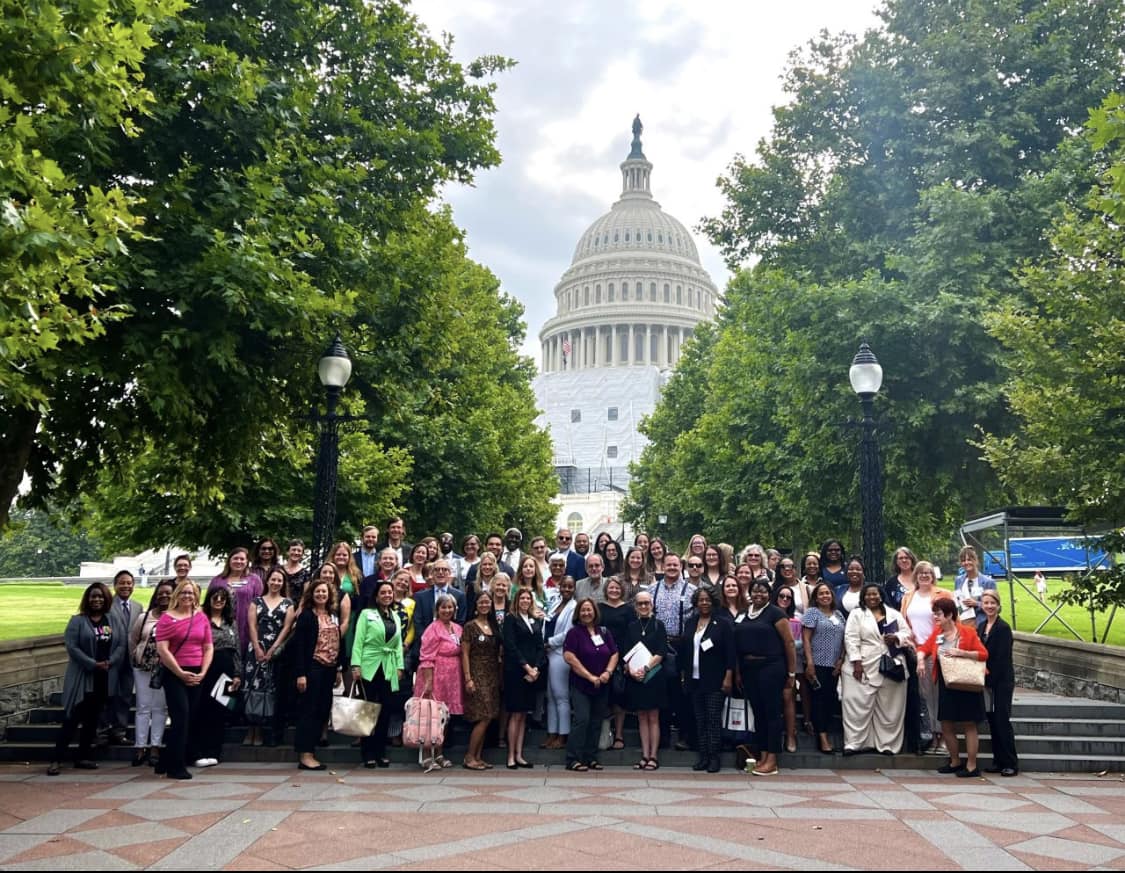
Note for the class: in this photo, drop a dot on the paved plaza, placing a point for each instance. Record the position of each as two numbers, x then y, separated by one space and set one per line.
272 816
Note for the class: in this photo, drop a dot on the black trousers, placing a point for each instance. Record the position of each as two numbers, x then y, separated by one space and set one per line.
87 714
314 706
209 719
378 690
182 700
825 704
587 712
708 709
1000 726
763 682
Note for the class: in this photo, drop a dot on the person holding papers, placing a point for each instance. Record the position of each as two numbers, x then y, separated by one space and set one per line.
707 660
644 646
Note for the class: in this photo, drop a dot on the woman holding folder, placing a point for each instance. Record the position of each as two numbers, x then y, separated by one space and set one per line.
644 646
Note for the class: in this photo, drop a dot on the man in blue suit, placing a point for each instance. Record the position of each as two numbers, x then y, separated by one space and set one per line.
575 563
441 582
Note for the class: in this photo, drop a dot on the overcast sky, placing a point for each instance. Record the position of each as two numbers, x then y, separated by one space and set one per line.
703 75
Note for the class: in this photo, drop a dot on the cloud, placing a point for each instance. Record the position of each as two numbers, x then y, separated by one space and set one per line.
703 76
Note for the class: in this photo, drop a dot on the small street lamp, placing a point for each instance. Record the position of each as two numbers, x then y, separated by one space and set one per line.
866 377
334 369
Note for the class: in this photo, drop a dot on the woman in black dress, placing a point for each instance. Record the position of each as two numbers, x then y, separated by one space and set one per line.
645 694
615 614
525 665
209 719
1000 681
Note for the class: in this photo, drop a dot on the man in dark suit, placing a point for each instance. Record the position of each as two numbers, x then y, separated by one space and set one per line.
492 543
367 555
396 539
441 582
575 563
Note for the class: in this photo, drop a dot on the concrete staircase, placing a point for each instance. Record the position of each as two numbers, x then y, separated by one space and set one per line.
1053 734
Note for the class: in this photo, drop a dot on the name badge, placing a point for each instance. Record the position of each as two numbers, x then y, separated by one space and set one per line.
835 620
480 639
738 618
597 639
706 645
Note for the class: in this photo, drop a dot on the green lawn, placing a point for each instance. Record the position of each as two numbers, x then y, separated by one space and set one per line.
43 608
36 610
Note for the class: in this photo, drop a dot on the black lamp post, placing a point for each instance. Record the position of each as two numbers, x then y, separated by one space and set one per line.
866 377
334 370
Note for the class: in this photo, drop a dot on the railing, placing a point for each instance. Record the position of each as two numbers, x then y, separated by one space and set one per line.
586 480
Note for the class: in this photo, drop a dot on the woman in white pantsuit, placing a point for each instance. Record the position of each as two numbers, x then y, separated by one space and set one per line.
873 705
558 625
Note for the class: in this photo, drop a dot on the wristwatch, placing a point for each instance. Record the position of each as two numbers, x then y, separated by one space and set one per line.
792 675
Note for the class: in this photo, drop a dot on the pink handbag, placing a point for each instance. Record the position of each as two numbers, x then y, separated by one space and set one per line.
424 722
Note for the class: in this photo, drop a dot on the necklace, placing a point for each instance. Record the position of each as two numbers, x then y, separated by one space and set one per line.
752 613
644 623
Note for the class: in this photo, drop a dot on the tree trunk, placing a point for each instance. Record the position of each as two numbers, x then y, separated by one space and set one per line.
17 434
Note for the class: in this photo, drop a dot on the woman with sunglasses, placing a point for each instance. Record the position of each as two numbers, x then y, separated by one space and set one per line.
209 719
783 599
266 557
754 556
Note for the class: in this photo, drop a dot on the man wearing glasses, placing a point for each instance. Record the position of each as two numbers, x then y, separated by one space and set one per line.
695 578
575 563
441 582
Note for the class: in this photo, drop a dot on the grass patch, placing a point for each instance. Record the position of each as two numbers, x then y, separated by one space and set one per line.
37 610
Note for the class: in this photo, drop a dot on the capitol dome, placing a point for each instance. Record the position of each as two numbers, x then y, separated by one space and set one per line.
635 288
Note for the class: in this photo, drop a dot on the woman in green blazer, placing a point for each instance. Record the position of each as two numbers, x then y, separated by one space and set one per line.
377 658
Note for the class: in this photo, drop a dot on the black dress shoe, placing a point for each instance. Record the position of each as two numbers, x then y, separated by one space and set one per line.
1009 771
713 765
950 767
849 752
700 764
307 767
85 765
182 774
966 773
993 769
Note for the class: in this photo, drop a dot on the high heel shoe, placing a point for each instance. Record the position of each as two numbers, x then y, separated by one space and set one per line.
140 757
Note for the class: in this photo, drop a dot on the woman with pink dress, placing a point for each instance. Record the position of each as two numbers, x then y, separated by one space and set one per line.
439 664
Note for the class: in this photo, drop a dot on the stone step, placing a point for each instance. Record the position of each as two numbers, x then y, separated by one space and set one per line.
1085 727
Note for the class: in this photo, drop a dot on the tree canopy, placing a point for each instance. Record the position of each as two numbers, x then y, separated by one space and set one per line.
284 179
909 176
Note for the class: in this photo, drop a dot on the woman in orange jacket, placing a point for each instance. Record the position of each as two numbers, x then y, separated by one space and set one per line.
956 709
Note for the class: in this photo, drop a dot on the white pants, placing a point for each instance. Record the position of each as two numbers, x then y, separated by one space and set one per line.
152 711
873 714
558 694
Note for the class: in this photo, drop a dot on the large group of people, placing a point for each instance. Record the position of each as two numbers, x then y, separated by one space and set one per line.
708 649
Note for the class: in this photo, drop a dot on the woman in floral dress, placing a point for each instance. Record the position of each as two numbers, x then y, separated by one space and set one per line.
271 623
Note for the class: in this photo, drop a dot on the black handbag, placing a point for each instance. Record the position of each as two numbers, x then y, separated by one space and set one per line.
892 668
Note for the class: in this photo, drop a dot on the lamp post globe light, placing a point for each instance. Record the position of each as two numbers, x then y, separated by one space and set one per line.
334 369
866 377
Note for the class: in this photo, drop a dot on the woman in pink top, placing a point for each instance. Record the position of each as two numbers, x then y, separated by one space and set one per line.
183 644
439 664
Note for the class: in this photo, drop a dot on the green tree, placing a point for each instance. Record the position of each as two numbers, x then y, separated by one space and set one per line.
284 179
39 543
1066 345
70 81
910 174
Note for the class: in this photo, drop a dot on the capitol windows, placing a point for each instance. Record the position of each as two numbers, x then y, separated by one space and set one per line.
597 293
650 236
574 522
660 237
624 290
610 294
626 236
611 414
575 416
615 236
611 451
586 295
667 293
679 294
652 291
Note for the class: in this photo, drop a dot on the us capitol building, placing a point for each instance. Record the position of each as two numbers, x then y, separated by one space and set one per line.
632 296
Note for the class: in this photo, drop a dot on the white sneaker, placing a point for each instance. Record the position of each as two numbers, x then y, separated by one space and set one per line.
206 762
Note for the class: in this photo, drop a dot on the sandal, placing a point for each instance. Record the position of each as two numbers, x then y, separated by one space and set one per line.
53 769
594 765
641 764
618 744
577 767
474 765
652 764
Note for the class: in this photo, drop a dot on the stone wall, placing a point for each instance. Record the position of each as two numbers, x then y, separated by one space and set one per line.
30 671
1069 667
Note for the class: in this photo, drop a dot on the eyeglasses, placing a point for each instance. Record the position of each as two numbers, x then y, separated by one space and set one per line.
788 567
441 571
785 597
694 565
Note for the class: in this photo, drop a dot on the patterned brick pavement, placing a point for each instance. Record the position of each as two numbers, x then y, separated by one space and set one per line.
272 816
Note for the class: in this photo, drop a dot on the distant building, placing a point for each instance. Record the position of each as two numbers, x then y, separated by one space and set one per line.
633 294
